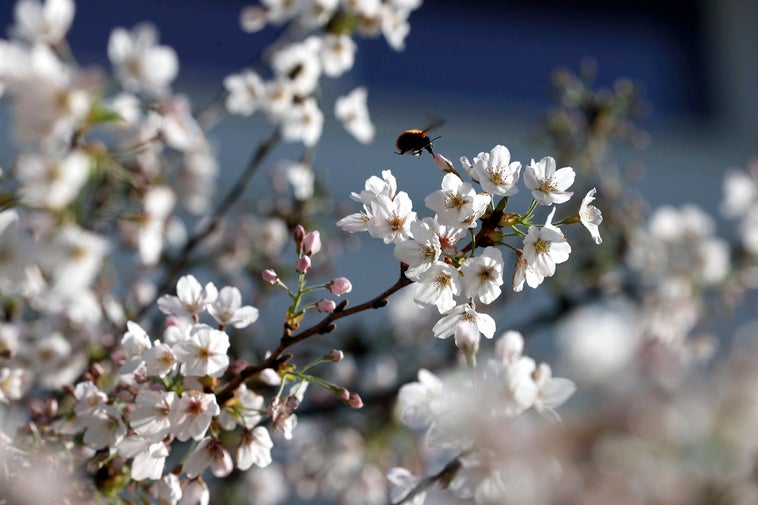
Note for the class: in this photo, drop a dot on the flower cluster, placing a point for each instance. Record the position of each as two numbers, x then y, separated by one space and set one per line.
450 410
452 277
287 95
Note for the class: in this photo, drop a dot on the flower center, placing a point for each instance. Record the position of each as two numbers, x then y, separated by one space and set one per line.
542 246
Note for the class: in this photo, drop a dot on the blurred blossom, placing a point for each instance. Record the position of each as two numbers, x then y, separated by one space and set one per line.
337 54
140 63
304 122
267 485
49 97
46 22
352 111
246 92
598 342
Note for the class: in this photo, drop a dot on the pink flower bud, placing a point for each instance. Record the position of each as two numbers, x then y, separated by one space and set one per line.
335 355
303 264
325 305
312 243
269 276
343 394
355 401
298 232
444 163
340 286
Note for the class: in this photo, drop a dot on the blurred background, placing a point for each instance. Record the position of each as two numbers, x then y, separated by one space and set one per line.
485 67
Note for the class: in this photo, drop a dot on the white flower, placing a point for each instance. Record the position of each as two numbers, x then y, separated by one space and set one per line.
18 272
516 386
447 325
192 298
192 413
337 54
438 286
374 187
391 219
483 275
549 185
227 309
352 111
279 99
14 383
158 204
590 216
255 448
394 25
545 247
204 353
150 417
194 492
420 252
46 23
740 193
299 64
50 182
141 64
524 272
457 203
509 347
73 257
135 342
209 451
415 399
403 483
149 457
159 359
495 172
301 178
303 122
104 428
246 93
49 102
167 491
552 392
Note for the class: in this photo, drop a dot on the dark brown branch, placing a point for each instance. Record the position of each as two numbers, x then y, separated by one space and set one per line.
326 325
444 476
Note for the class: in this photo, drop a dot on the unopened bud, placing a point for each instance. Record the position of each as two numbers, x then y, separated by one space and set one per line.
303 264
340 286
467 338
270 276
325 305
355 401
335 355
343 394
444 164
298 233
312 243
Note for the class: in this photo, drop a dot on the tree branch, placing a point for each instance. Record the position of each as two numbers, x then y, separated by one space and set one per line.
326 325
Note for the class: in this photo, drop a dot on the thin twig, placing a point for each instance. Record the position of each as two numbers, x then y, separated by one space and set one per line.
326 325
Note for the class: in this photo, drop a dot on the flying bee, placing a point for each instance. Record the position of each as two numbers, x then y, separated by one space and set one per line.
415 141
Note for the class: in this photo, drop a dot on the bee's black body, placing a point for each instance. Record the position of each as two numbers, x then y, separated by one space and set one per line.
415 141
